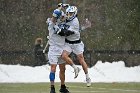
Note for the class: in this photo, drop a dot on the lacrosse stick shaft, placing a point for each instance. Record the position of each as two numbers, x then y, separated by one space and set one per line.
99 71
46 46
4 72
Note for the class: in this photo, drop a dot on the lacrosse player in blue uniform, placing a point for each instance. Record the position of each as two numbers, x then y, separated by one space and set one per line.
57 42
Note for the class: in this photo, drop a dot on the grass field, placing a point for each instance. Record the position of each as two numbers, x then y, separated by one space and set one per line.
73 87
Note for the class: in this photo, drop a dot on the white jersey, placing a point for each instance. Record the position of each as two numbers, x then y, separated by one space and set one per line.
77 48
55 39
74 26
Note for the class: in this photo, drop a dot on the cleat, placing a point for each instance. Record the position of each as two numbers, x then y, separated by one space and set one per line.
52 90
64 90
88 81
76 71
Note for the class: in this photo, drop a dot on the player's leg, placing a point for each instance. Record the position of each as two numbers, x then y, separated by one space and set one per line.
52 77
78 50
62 73
65 56
53 59
80 58
63 88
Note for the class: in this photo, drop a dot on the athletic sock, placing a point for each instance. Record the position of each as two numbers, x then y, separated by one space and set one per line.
87 75
74 66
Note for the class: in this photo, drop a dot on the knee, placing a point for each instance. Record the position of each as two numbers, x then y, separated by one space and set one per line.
80 57
64 56
53 68
62 68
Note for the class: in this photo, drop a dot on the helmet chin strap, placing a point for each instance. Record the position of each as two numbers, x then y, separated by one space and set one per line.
70 19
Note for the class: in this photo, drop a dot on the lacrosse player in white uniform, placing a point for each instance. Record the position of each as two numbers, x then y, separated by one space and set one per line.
73 42
57 42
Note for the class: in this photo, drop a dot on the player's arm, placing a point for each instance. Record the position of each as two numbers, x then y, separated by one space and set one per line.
58 31
63 31
74 28
67 32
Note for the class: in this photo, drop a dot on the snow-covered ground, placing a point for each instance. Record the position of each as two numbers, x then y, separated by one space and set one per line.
101 72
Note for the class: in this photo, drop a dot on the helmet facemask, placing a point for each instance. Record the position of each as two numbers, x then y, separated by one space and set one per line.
71 12
70 15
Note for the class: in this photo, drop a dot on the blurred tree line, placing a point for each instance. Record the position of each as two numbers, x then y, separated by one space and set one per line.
114 35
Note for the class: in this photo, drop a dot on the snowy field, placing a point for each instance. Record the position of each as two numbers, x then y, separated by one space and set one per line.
101 72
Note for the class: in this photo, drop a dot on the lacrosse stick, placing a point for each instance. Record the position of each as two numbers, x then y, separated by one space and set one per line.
4 72
99 71
49 20
87 24
46 45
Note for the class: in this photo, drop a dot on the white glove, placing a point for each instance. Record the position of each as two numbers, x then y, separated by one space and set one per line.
48 37
56 29
48 20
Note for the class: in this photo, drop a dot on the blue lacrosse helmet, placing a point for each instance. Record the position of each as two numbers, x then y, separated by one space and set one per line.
57 13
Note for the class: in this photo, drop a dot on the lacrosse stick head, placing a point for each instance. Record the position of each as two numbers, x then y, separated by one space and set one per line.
86 24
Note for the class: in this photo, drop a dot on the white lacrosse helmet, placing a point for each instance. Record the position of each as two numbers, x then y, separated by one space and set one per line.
71 12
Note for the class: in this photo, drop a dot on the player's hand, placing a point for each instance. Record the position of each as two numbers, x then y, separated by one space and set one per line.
56 29
48 20
43 51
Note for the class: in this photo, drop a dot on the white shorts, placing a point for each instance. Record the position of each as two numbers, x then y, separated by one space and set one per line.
54 54
75 48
